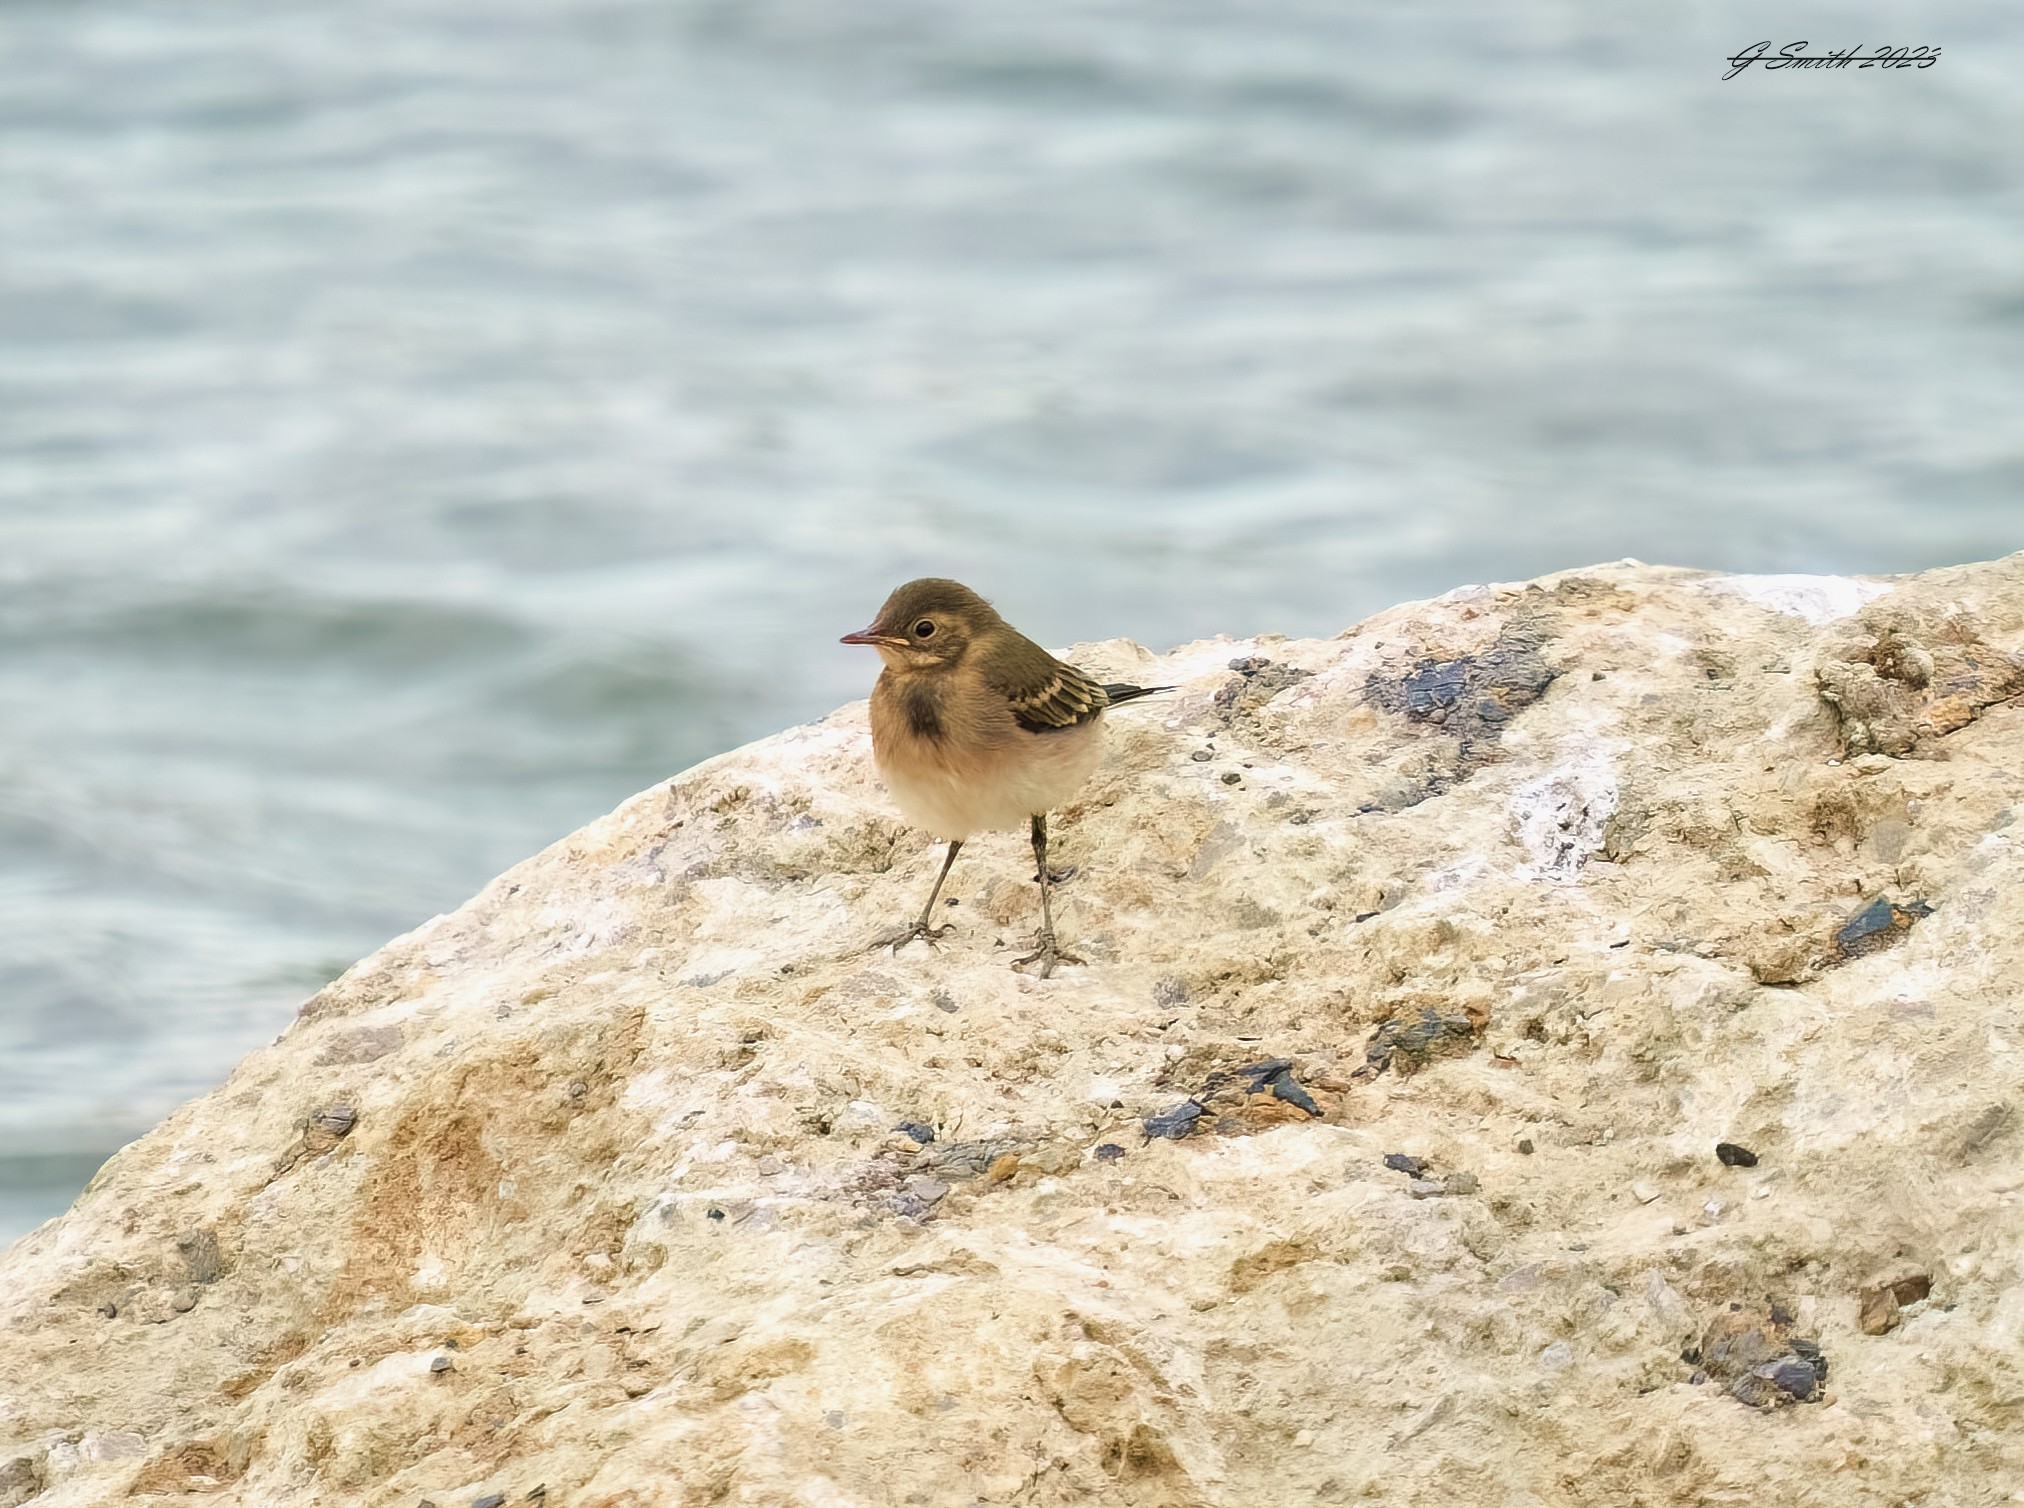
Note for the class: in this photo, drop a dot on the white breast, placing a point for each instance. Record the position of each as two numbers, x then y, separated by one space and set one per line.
1037 773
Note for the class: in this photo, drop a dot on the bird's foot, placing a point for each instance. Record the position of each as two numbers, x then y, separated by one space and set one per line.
905 935
1047 953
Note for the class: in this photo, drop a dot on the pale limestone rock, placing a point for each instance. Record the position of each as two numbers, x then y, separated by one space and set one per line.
1544 883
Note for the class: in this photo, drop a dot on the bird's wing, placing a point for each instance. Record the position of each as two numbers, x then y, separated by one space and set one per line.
1042 692
1119 693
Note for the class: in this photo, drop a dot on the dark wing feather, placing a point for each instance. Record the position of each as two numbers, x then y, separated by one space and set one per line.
1042 692
1068 697
1118 694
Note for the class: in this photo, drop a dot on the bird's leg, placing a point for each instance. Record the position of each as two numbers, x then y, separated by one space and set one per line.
923 927
1046 953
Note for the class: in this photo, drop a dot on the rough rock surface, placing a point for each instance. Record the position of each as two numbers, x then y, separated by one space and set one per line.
638 1181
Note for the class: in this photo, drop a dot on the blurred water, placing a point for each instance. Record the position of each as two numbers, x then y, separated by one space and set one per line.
424 423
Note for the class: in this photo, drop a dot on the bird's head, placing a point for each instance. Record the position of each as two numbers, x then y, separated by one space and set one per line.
927 624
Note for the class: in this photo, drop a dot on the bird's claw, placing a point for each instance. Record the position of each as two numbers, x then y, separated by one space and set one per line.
1047 954
905 935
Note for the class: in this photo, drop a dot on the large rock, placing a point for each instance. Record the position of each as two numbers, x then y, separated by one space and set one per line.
594 1186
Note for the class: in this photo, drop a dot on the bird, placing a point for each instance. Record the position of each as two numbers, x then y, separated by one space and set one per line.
975 728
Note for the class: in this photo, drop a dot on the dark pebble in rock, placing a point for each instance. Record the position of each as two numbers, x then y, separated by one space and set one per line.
1738 1340
1878 923
1201 756
1257 1073
1415 1039
918 1132
1791 1376
337 1120
1110 1151
715 1213
1758 1391
1871 918
1285 1088
1269 1076
1461 1183
490 1500
1796 1377
110 1311
1249 664
1733 1156
1525 1146
1398 1162
1175 1123
1808 1351
439 1364
1233 778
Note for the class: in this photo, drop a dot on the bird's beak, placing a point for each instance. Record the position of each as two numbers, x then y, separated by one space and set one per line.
869 636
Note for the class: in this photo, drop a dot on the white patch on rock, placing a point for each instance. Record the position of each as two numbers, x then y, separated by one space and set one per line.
105 1446
1817 599
1560 816
61 1456
600 924
1457 876
431 1276
1665 1301
864 1114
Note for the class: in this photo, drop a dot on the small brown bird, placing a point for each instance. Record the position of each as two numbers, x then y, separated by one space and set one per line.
974 726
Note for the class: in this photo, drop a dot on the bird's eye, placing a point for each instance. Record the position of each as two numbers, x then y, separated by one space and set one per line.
925 629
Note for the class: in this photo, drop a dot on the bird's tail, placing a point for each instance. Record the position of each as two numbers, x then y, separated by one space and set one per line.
1120 694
